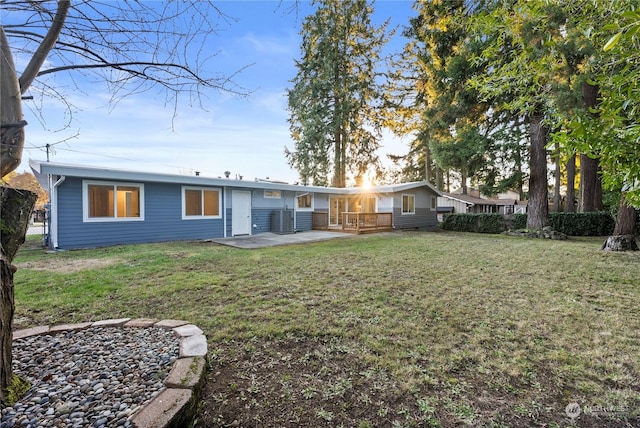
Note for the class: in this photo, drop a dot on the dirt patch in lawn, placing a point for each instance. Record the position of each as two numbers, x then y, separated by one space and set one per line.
301 382
67 265
313 382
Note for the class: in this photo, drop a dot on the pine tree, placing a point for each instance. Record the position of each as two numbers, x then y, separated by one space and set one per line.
335 118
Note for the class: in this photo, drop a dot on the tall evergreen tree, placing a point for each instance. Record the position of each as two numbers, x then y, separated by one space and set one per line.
619 109
335 118
433 96
522 72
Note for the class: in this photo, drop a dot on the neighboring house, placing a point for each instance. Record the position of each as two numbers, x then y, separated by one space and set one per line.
454 203
92 206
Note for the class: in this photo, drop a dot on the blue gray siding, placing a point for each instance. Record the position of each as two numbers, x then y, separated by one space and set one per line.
423 218
261 218
162 222
303 220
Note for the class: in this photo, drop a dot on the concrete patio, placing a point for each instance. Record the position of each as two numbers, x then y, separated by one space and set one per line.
269 239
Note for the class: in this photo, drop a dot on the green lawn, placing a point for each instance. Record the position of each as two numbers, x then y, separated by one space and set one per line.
470 329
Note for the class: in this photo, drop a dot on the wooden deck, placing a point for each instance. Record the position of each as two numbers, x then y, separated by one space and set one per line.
355 222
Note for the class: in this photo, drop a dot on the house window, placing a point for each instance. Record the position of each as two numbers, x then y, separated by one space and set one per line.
408 204
274 194
103 201
434 203
305 201
200 203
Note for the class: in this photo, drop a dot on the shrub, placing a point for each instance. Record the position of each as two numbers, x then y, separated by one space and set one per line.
519 221
599 223
572 224
480 223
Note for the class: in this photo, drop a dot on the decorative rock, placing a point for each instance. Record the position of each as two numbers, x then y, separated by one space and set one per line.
119 322
28 332
620 243
187 330
141 322
99 374
170 323
163 409
193 346
66 327
186 373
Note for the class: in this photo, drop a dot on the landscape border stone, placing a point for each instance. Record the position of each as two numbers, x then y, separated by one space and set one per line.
176 403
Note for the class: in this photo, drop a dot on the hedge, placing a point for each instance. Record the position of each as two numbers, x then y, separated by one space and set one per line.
573 224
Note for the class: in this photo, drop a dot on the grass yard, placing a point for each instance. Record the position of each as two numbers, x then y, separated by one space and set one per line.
398 329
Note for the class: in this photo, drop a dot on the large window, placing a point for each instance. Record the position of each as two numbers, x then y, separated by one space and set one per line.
200 203
368 205
103 201
305 201
408 204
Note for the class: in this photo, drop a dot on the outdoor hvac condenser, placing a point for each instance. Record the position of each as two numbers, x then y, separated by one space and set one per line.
282 221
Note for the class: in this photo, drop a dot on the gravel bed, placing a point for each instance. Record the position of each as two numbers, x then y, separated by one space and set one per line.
96 377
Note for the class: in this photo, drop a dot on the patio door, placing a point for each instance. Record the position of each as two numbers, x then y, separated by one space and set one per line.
240 213
336 207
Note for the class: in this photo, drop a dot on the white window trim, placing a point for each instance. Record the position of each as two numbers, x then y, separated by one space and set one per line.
264 194
200 217
85 201
414 204
305 208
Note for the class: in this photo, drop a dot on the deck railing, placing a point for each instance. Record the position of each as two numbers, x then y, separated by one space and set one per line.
366 222
354 222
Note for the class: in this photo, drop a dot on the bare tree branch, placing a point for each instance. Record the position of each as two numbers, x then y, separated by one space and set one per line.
38 58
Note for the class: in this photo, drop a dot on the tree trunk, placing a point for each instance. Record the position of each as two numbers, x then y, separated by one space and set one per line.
624 234
590 186
427 163
569 206
15 211
598 204
588 178
439 184
517 158
463 181
339 161
557 177
448 181
538 211
10 111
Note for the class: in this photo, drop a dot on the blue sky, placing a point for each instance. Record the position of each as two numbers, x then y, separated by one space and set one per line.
243 135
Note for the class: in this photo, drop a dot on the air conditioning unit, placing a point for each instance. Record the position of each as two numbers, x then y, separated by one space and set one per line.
282 221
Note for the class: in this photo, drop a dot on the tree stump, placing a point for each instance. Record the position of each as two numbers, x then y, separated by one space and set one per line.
620 243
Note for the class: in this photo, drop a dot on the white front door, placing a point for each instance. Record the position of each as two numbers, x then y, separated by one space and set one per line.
240 213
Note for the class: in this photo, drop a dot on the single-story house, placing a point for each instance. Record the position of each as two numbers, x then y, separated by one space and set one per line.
94 206
455 203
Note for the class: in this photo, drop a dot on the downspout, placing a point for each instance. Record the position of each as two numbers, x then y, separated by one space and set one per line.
224 211
295 212
53 220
